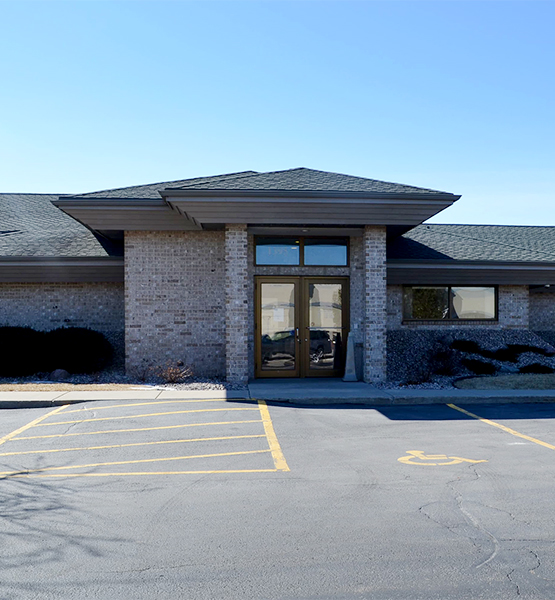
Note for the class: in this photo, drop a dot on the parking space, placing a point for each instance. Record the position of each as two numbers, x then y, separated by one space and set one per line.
173 437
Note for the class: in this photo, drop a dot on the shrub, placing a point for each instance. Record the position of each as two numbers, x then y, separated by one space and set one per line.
479 367
506 355
536 368
445 362
173 372
469 346
21 351
78 350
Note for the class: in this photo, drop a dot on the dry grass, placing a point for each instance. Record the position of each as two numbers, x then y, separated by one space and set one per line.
65 387
528 381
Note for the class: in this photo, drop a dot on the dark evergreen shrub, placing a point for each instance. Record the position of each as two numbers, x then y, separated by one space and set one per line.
536 368
469 346
445 362
21 351
479 367
78 350
506 355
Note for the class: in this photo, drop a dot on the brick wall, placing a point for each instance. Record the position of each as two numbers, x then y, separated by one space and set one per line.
46 306
513 311
374 244
237 304
175 300
542 310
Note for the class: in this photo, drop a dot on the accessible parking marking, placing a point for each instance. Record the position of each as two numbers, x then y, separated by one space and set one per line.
238 439
502 427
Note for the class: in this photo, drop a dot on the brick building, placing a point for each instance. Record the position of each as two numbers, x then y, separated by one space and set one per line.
265 274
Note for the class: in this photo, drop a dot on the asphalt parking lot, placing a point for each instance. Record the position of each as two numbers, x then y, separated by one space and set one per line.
207 436
242 500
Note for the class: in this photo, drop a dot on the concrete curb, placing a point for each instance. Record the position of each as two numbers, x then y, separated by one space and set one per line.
421 401
292 398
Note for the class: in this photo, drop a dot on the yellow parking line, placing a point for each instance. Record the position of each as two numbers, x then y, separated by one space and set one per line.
58 435
130 462
211 439
146 473
95 408
172 412
502 427
275 448
31 424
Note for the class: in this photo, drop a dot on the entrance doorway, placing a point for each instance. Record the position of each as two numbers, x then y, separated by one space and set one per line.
301 326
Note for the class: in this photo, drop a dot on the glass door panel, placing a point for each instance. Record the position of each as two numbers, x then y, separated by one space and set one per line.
277 328
325 327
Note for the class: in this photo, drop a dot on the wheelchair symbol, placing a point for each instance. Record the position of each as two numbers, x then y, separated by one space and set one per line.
417 457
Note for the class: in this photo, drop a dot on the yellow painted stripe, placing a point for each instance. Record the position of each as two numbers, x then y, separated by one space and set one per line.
58 435
210 439
146 473
275 448
31 424
503 428
172 412
132 462
95 408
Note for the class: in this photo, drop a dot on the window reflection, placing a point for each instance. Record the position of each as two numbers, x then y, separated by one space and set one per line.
329 251
277 251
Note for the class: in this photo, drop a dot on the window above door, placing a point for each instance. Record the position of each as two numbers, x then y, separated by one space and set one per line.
302 251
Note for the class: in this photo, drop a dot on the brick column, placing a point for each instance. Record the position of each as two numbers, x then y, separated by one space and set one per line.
236 304
375 304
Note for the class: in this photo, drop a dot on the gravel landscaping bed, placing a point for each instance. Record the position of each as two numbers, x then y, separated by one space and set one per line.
109 380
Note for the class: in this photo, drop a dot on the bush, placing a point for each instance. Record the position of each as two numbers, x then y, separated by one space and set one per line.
173 372
445 362
506 355
536 368
479 367
77 350
21 351
469 346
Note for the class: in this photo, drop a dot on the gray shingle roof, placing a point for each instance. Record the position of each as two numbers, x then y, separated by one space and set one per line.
302 179
500 243
152 190
30 225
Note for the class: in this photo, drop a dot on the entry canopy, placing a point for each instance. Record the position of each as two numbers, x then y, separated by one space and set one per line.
292 197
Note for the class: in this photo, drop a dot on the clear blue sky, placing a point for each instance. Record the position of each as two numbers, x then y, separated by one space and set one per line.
456 96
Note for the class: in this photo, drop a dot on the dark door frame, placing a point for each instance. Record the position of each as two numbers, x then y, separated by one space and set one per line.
302 337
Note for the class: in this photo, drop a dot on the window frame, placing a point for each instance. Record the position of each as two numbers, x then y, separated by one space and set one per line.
302 239
451 318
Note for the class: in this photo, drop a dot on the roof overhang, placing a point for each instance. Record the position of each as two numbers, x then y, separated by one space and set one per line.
33 269
306 207
479 273
124 214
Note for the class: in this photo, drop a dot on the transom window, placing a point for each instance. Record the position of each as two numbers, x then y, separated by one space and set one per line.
302 251
435 303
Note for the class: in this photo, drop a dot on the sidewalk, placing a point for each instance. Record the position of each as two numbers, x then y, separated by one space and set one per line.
299 392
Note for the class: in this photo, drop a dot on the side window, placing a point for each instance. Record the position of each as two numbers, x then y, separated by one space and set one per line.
436 303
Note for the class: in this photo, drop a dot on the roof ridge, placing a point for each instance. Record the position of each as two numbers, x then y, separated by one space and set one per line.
238 175
497 243
308 169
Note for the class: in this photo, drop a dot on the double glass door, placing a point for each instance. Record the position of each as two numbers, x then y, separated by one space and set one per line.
301 326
